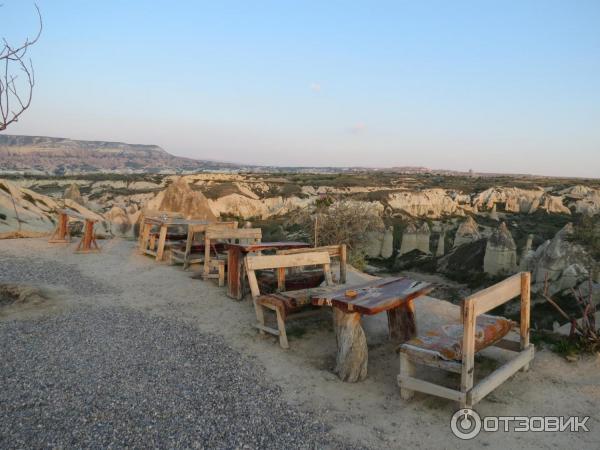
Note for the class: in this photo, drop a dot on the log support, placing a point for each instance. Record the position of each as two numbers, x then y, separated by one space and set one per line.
352 353
401 322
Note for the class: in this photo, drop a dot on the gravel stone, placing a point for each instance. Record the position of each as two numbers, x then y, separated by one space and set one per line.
111 377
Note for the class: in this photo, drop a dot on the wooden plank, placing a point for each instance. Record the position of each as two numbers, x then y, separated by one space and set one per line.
259 246
234 276
500 375
407 371
333 250
525 312
161 243
267 329
496 295
275 261
468 349
375 296
233 233
414 384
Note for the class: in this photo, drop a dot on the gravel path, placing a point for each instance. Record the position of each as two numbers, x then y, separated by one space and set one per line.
114 377
15 269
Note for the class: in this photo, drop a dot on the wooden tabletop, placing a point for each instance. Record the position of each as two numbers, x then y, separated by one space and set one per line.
260 246
372 297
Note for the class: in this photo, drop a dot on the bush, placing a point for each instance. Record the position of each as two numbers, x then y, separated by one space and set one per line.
344 222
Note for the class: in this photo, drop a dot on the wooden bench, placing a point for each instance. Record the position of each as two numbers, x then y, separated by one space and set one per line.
228 235
185 255
453 348
283 303
334 251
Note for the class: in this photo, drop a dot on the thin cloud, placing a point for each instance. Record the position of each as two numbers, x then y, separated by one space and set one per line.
358 127
315 87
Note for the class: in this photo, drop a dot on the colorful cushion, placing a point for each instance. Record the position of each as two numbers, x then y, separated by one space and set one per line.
447 341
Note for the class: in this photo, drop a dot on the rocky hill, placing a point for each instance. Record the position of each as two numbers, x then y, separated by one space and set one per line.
61 156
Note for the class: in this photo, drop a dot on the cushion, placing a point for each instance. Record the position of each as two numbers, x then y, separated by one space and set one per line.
447 340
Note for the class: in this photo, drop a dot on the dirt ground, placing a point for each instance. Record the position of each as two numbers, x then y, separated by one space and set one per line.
369 413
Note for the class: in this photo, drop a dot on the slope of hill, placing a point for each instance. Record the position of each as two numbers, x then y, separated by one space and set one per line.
60 156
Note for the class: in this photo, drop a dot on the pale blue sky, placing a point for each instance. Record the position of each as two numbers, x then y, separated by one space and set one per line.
506 86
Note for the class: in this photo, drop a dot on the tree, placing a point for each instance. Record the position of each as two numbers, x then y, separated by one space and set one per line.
15 92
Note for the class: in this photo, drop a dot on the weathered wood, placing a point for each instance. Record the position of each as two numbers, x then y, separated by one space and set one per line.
145 236
496 295
352 353
233 233
161 243
374 297
235 274
525 312
500 375
88 243
407 370
468 350
415 384
343 264
61 232
335 251
401 322
281 279
275 261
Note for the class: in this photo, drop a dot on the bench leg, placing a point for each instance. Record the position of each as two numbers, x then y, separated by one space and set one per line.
283 342
260 315
407 369
221 273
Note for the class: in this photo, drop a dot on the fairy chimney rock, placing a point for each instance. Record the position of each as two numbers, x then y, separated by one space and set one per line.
500 252
467 232
416 238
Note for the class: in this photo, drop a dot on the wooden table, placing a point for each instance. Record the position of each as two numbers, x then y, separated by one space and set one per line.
88 243
164 222
393 295
235 262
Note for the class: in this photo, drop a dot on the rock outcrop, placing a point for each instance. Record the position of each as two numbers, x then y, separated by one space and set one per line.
500 252
429 203
72 193
517 200
415 239
565 263
180 198
467 232
380 244
25 213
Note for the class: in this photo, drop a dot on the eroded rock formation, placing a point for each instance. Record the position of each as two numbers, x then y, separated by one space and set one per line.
500 252
467 232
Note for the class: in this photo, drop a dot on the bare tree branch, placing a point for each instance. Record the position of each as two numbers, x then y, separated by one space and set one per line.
14 61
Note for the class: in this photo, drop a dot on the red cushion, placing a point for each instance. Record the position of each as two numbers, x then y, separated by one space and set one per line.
447 340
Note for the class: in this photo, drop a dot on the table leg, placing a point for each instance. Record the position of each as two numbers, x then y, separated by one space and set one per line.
233 272
161 243
352 353
401 322
145 237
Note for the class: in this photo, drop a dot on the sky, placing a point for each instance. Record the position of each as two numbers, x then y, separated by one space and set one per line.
493 86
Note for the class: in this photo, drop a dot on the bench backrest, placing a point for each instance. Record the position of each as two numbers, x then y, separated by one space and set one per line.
282 262
484 301
334 251
251 235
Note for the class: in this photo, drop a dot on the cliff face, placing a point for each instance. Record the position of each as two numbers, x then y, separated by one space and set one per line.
48 155
500 252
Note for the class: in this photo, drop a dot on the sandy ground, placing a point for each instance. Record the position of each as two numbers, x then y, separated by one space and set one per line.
368 413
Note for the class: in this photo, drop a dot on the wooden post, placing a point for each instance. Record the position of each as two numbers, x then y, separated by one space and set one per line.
188 247
468 352
352 353
525 312
407 369
146 227
61 232
281 279
88 241
343 263
161 243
